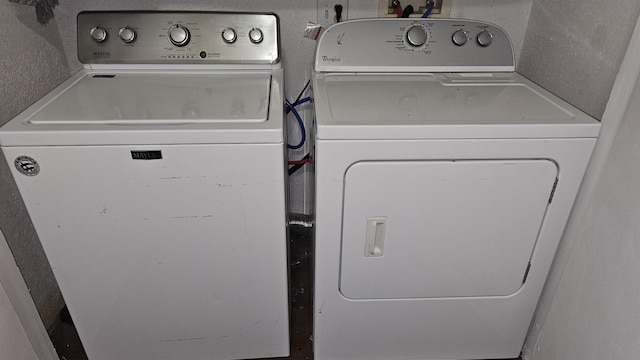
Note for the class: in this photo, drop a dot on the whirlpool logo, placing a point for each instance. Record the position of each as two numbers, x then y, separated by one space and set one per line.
330 59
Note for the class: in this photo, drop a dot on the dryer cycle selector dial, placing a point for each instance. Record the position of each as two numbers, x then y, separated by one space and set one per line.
127 34
98 34
179 35
484 38
229 35
417 35
256 36
459 37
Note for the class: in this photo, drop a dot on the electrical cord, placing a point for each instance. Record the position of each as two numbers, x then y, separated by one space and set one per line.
408 10
303 90
338 9
298 164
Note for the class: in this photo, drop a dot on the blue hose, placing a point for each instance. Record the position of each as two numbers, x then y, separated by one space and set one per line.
291 108
429 9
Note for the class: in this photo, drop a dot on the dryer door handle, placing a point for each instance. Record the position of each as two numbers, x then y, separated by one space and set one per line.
374 238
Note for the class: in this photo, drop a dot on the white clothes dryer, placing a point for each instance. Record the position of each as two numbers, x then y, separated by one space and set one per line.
444 182
155 178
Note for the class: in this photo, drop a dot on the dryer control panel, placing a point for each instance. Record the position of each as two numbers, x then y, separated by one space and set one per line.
177 37
414 45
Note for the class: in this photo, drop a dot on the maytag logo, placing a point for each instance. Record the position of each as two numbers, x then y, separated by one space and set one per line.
101 53
146 155
330 59
27 165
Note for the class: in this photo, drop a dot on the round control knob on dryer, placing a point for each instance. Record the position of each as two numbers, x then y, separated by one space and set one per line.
179 35
229 35
484 38
459 37
417 36
255 35
98 34
127 34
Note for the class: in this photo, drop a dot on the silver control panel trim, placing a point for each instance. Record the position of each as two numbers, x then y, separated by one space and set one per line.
201 42
414 45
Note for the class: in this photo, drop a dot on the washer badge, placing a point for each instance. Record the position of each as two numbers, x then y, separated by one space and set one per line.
27 165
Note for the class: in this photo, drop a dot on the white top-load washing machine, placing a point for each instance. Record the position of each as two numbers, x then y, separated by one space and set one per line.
155 178
444 182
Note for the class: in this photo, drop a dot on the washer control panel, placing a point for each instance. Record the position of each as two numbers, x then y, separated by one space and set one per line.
405 45
168 37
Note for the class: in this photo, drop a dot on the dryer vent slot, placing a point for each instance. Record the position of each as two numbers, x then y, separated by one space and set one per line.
104 76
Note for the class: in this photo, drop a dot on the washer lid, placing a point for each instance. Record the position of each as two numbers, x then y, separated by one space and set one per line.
135 98
103 107
422 106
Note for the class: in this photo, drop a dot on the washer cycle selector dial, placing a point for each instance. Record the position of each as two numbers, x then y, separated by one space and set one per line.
229 35
256 36
484 38
127 34
179 35
459 37
98 34
417 35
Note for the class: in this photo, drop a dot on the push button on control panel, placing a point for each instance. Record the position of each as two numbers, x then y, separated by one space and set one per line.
98 34
484 38
127 34
229 35
255 35
459 37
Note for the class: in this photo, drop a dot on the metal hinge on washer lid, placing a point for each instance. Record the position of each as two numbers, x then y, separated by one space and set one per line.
553 190
526 273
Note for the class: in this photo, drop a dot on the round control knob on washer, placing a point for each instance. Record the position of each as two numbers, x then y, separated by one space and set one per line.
484 38
459 37
98 34
256 36
229 35
127 34
179 35
417 36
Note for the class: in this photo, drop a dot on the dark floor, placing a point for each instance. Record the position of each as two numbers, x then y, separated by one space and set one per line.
66 341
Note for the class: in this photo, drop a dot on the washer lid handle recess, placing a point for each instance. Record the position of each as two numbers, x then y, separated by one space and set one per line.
414 45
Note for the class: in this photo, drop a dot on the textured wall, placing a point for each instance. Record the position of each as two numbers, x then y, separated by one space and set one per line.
590 307
32 62
574 48
512 15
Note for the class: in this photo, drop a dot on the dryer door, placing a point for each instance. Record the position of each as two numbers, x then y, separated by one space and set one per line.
433 229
